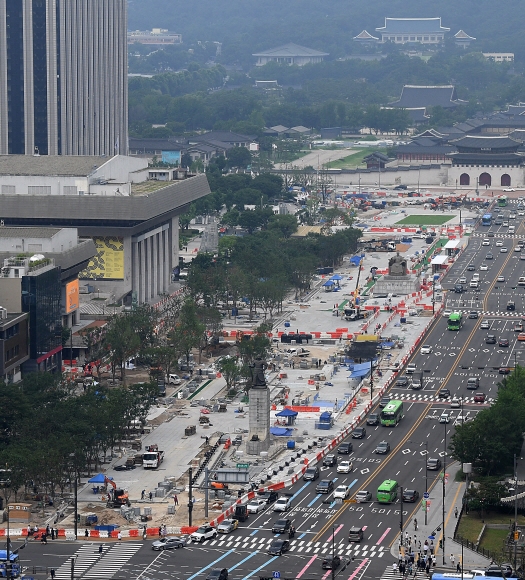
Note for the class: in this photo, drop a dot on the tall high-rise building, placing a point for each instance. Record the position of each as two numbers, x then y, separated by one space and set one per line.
63 77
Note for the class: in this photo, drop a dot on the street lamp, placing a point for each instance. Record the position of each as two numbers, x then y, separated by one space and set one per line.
443 487
73 458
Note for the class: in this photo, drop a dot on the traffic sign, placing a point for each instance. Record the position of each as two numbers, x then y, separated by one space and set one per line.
426 495
350 501
244 466
276 574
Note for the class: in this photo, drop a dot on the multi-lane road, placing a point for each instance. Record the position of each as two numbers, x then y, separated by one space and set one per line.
321 523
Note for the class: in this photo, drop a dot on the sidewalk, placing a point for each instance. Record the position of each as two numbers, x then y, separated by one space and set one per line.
453 499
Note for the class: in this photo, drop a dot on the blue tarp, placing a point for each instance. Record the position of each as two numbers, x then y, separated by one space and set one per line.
281 431
328 283
355 260
98 478
325 415
386 345
336 277
286 413
359 370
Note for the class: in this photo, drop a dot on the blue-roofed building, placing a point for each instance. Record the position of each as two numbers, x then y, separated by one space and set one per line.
417 30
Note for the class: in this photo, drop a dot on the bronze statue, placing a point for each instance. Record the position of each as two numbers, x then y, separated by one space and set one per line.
257 369
397 266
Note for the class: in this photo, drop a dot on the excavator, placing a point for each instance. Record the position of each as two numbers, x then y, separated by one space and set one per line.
117 497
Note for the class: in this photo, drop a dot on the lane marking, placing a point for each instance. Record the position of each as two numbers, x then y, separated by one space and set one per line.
338 529
358 569
253 571
242 561
212 564
310 562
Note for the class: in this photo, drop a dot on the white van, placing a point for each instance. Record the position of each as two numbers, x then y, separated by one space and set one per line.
474 284
512 229
475 277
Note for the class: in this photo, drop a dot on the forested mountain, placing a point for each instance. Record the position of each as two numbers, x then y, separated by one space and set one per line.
247 26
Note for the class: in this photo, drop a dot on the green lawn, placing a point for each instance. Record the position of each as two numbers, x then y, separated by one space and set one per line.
470 527
353 160
424 220
494 540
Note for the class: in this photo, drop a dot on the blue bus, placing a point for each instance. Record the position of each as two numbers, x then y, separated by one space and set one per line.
458 575
486 220
15 563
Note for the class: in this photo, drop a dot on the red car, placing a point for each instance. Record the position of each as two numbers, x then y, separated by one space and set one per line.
504 370
479 398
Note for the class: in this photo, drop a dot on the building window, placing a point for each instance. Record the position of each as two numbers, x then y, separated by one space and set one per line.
425 38
8 189
412 38
433 38
420 38
399 38
39 189
70 190
405 38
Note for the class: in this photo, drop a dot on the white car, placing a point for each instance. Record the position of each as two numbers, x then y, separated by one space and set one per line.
455 403
501 278
499 243
503 250
446 313
517 249
174 379
426 349
363 496
345 467
485 242
483 267
203 533
505 224
256 505
445 417
521 212
508 189
283 504
411 368
341 492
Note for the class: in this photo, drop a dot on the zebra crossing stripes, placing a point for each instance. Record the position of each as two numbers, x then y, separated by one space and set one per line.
421 397
89 563
84 558
113 560
504 314
390 574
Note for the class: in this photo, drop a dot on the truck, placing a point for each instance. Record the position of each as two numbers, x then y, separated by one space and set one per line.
300 352
152 458
117 496
356 314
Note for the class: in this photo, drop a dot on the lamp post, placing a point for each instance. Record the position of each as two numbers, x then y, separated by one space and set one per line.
73 458
515 511
426 479
443 488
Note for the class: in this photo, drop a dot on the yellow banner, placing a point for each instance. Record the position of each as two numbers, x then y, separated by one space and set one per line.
108 264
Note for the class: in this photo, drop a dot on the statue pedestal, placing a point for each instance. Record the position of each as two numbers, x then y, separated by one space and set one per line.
397 285
259 421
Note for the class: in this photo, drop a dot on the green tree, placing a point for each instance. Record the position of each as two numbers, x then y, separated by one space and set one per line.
239 157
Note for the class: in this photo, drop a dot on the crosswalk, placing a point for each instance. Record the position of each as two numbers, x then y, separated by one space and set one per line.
299 546
89 563
429 398
498 236
390 574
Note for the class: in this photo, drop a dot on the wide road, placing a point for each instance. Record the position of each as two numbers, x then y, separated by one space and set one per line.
321 523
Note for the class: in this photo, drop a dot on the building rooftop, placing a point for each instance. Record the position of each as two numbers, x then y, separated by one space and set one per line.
290 50
149 186
413 97
365 35
413 25
492 143
222 137
14 232
462 35
67 165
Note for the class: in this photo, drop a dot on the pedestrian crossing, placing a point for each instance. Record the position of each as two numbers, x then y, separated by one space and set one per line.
504 314
391 574
299 546
89 563
498 236
429 398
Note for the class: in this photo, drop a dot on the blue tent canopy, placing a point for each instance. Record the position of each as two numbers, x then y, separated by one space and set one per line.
329 283
336 277
360 370
286 413
355 260
281 431
100 478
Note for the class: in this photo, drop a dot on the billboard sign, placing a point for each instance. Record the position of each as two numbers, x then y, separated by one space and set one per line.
72 296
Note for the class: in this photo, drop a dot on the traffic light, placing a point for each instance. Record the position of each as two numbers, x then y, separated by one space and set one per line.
440 544
516 536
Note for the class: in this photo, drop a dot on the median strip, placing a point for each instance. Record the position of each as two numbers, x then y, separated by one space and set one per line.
199 390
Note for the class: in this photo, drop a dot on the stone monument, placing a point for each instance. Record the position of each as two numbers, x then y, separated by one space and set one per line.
398 280
259 410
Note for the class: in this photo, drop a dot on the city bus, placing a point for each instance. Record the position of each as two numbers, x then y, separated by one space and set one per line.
486 220
455 320
464 576
387 491
502 201
392 414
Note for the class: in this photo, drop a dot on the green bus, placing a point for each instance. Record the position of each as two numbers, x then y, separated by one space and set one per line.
392 414
502 201
387 491
455 320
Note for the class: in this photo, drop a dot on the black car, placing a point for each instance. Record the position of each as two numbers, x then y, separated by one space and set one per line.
402 381
494 569
491 339
281 526
330 460
458 288
471 267
311 474
278 547
503 342
359 433
345 448
384 401
372 419
383 448
269 496
397 188
218 574
444 394
511 305
489 256
410 495
504 370
325 486
473 314
331 562
124 467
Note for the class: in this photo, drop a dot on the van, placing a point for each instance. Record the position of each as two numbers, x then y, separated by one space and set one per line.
355 534
473 383
512 229
475 277
474 284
